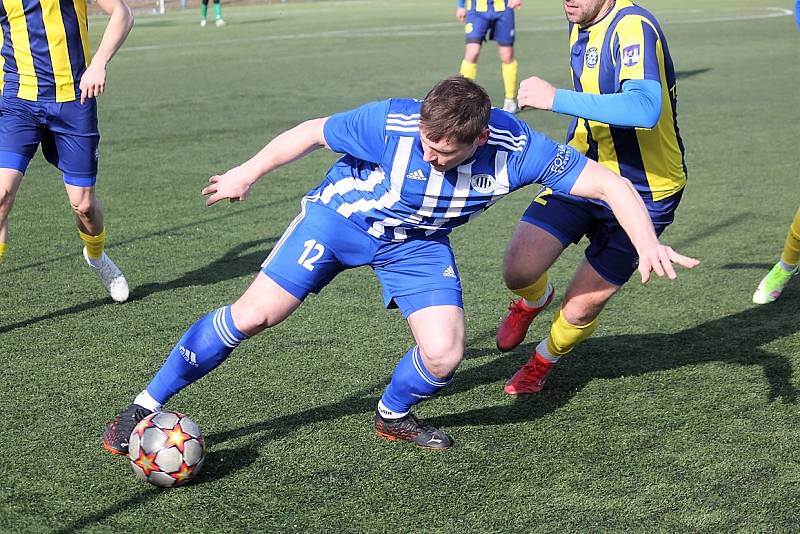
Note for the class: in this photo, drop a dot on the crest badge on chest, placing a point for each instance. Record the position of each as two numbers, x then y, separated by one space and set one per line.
592 57
483 183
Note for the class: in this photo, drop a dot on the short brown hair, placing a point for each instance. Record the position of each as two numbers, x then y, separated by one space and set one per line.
456 109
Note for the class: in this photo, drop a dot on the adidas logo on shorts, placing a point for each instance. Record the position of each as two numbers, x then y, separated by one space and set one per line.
449 272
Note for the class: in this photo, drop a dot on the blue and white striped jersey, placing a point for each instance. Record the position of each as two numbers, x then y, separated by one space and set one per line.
384 185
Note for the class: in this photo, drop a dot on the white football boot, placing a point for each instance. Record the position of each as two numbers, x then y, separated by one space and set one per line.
110 276
219 22
203 23
510 105
773 284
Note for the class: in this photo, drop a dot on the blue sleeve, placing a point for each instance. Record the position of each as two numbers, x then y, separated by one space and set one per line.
637 106
549 163
359 132
460 3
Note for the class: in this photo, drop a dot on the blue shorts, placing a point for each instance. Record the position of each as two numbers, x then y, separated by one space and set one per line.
610 252
499 26
320 243
67 132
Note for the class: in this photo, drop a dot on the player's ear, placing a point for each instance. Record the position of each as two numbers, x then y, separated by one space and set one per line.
483 137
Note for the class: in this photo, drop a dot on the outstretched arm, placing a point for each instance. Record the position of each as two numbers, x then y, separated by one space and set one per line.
93 81
596 181
638 105
289 146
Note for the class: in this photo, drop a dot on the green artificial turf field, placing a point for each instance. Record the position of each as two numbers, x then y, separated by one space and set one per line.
679 414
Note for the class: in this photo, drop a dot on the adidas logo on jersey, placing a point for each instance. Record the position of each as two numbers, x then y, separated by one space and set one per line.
189 356
449 272
416 175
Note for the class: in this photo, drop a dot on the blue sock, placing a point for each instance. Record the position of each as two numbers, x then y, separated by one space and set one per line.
411 384
797 12
201 349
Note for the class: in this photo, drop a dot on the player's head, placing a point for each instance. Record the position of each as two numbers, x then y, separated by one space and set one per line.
454 121
584 12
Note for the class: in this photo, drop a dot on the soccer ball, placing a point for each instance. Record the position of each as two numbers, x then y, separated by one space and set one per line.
166 449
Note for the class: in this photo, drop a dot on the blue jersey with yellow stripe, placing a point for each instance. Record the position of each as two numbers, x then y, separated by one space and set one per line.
628 44
485 6
45 48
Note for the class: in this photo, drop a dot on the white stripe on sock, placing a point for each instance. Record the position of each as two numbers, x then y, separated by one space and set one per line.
386 413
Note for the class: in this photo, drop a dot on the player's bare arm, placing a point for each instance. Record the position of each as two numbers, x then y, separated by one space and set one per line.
289 146
536 93
93 81
595 181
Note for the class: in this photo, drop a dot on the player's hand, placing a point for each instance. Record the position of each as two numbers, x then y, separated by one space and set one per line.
536 93
514 4
461 14
233 185
93 81
659 259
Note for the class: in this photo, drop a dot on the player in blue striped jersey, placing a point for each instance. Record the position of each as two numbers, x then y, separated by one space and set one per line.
411 172
50 81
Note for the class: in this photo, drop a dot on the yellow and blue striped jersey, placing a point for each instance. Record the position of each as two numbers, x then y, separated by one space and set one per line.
45 48
628 44
483 6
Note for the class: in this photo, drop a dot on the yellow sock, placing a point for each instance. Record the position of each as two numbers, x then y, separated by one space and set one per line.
791 249
535 291
3 248
564 336
510 78
94 244
469 70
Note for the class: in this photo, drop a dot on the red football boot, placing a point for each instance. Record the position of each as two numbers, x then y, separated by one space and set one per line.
515 325
531 377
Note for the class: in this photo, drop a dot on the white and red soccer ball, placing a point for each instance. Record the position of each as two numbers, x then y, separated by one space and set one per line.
166 449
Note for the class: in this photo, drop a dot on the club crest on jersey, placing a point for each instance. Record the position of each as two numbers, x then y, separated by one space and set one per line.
483 183
631 55
592 57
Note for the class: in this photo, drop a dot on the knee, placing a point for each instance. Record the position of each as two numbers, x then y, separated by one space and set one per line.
516 274
515 278
7 198
580 312
443 355
251 318
251 321
83 207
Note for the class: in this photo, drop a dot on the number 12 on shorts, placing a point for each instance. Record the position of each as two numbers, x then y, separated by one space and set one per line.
306 259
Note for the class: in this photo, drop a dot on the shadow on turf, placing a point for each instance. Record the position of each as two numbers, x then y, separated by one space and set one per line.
735 339
759 266
218 464
255 21
140 498
683 74
232 264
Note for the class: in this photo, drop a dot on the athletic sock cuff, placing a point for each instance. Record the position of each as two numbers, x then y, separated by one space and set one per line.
226 329
426 375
